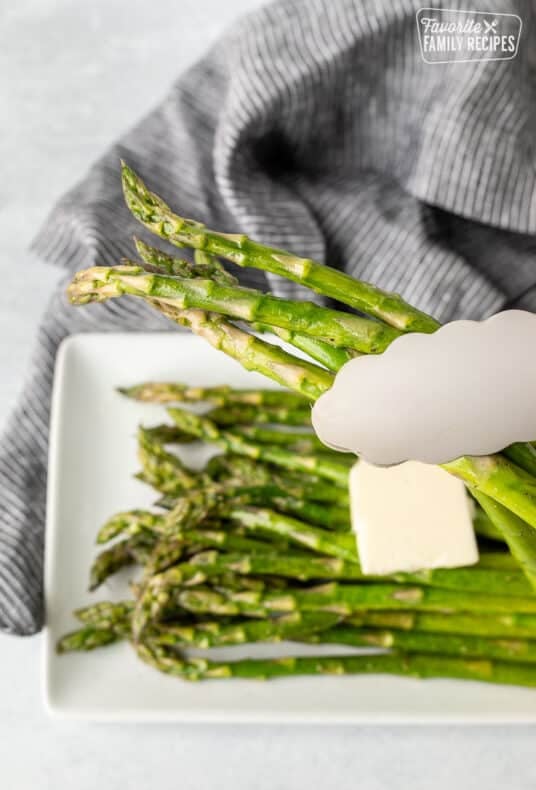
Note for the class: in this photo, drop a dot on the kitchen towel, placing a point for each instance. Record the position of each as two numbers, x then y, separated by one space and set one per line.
317 126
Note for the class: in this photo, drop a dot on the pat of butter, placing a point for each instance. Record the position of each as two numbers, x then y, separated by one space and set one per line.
409 517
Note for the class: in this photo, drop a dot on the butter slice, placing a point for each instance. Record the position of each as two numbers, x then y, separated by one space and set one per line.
410 517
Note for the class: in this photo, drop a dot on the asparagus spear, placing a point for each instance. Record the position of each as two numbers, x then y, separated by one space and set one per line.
414 665
215 634
169 551
496 477
343 599
328 354
234 415
300 441
484 526
163 470
206 634
126 552
225 500
519 536
306 568
167 434
313 628
162 262
336 519
233 442
244 304
106 615
500 560
131 522
303 441
520 650
289 500
208 267
151 211
265 521
507 626
285 501
241 468
87 638
204 566
304 377
220 396
522 454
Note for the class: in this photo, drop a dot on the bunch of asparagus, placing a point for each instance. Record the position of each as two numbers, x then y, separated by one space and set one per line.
257 546
207 298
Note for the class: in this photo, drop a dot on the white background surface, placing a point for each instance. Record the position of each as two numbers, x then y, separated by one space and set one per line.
73 75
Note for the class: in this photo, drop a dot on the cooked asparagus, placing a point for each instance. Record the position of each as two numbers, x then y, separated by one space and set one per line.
252 534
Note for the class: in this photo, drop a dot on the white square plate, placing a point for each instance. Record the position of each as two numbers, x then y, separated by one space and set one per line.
92 462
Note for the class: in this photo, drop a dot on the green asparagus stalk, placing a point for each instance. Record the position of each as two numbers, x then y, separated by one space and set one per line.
484 527
233 442
345 599
122 554
221 396
228 416
106 614
522 454
513 626
167 434
519 650
265 521
241 468
498 478
163 470
303 442
205 566
304 377
306 568
499 560
167 552
300 441
336 519
288 501
244 304
519 536
206 634
228 501
152 212
216 634
131 522
207 267
159 261
496 626
328 354
312 628
88 638
415 665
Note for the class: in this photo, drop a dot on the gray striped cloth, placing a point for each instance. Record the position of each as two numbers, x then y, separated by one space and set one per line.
316 126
